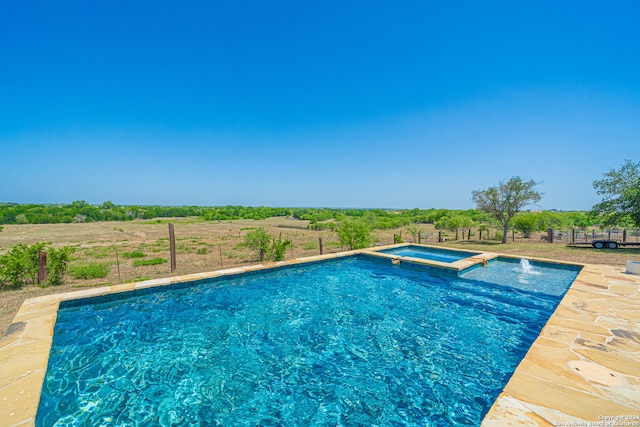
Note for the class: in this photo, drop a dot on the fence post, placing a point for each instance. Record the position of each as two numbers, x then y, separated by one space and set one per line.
573 235
550 234
456 234
320 241
624 235
480 232
172 247
419 238
439 236
395 239
42 266
513 234
118 265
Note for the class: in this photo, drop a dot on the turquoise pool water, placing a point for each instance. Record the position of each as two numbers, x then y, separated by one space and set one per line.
434 254
346 342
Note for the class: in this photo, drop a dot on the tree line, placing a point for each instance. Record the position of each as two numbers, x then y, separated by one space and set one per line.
498 206
380 219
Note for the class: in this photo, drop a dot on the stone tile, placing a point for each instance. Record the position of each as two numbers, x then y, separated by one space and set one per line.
596 338
577 325
21 359
39 328
19 400
508 411
614 360
549 363
559 334
566 400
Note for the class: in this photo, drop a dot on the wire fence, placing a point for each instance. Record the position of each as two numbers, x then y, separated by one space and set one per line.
615 234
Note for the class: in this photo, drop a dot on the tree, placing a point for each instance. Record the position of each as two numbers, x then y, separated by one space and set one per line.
526 223
414 230
354 233
258 241
262 244
621 195
506 199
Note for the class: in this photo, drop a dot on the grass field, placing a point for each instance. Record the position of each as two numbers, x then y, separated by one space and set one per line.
134 250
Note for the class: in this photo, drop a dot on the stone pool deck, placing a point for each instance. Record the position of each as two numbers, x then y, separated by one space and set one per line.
583 369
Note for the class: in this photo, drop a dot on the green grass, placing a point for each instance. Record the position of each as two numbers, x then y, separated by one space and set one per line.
92 270
152 261
182 248
98 252
134 254
310 246
202 251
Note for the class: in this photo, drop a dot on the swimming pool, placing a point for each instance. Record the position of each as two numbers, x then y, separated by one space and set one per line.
351 341
430 253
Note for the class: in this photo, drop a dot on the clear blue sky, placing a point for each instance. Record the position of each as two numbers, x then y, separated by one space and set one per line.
314 103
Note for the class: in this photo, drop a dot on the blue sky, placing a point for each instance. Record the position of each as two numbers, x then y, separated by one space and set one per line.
335 104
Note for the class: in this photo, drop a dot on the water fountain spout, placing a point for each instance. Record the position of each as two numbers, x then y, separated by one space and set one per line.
526 266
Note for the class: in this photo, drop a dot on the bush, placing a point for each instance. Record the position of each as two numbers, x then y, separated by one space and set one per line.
354 233
19 266
152 261
265 246
278 248
58 264
134 254
202 251
93 270
258 242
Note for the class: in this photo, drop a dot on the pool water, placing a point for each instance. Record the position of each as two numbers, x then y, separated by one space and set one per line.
433 254
347 342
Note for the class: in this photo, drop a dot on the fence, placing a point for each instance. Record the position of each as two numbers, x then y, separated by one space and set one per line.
586 236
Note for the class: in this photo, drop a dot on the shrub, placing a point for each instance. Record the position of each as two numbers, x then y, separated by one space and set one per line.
19 266
354 233
152 261
58 264
93 270
414 230
265 246
258 242
278 248
202 251
134 254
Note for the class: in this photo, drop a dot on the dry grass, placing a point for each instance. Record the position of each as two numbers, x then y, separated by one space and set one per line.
98 242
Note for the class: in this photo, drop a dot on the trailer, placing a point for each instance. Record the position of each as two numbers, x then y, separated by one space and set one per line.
611 244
